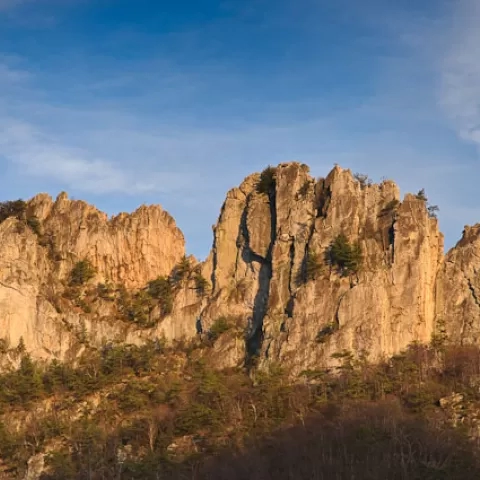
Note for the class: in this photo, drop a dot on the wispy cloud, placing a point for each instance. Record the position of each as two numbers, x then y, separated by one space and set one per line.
460 70
181 133
11 76
38 155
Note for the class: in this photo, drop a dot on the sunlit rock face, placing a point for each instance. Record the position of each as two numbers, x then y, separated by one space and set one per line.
259 274
261 245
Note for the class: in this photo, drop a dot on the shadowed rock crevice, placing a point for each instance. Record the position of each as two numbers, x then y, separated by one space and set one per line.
255 337
472 290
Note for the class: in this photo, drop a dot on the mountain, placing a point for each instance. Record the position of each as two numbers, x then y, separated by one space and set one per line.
267 275
325 305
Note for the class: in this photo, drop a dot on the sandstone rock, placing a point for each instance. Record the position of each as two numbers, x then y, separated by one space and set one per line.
458 290
405 291
126 250
129 248
387 306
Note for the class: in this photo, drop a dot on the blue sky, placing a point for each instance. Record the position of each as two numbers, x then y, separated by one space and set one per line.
122 103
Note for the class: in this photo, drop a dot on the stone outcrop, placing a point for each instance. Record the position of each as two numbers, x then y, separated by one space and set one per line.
127 250
380 310
458 289
258 274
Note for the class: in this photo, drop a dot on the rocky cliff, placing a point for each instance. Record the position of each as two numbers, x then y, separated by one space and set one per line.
264 240
35 264
271 280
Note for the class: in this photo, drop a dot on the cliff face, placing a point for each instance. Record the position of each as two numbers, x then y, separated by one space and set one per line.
127 250
263 243
458 290
270 275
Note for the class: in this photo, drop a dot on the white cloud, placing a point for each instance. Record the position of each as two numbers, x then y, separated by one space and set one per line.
38 155
460 70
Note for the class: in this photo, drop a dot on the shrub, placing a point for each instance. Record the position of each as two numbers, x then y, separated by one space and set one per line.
161 289
266 184
4 345
34 223
105 292
137 307
16 208
391 205
195 417
421 195
182 270
82 272
219 326
47 240
313 266
201 283
21 346
432 211
346 257
362 179
84 305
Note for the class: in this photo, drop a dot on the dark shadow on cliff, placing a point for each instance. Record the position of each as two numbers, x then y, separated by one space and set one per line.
254 337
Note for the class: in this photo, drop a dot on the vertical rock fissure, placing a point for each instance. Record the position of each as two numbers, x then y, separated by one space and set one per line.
472 290
336 320
391 236
213 279
291 281
254 341
323 195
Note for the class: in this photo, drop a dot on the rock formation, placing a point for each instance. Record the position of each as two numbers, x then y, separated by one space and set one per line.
270 274
458 289
262 241
35 266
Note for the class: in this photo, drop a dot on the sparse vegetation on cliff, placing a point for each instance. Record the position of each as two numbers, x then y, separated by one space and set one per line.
421 195
82 272
344 256
182 270
13 208
362 179
127 412
312 266
219 326
161 289
432 210
137 307
266 184
201 283
18 209
391 206
304 189
326 332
